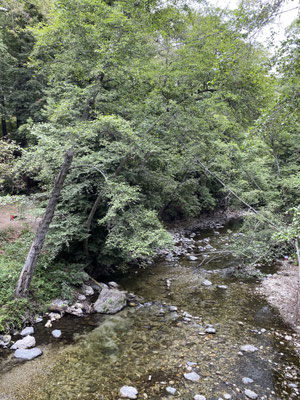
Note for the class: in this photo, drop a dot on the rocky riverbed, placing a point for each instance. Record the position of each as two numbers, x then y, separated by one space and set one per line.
196 332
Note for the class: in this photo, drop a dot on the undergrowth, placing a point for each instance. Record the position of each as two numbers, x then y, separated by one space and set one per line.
51 280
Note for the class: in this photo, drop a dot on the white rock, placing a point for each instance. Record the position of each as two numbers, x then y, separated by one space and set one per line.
227 396
173 308
28 354
247 380
56 333
224 287
27 331
199 397
81 297
210 330
206 283
87 290
250 394
48 324
171 390
25 343
129 392
113 285
192 376
249 348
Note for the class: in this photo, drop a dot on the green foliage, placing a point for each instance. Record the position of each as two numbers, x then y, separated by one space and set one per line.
51 281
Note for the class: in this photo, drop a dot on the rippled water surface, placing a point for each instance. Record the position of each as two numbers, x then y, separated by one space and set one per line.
149 346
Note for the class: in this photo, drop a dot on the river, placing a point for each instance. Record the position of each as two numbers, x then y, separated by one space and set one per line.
151 347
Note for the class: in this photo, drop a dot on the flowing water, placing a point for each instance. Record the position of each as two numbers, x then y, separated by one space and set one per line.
151 347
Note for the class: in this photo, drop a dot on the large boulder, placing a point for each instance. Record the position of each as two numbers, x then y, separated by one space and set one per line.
110 301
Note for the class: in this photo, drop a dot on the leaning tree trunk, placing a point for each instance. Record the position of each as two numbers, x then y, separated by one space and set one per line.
27 272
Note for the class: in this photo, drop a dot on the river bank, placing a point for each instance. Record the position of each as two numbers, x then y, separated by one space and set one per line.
281 290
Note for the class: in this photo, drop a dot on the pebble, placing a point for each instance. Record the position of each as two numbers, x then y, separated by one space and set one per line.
227 396
129 392
199 397
288 338
81 297
28 354
210 330
171 390
249 348
191 363
192 258
38 320
247 380
250 394
56 333
206 283
173 308
192 376
27 331
224 287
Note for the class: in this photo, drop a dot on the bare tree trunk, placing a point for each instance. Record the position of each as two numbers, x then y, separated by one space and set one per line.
27 272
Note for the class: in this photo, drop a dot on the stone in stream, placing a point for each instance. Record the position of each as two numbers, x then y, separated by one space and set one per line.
110 301
171 390
27 331
28 354
56 333
129 392
192 376
206 283
199 397
249 348
25 343
250 394
210 330
247 380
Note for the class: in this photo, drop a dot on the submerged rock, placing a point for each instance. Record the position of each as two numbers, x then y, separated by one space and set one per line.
192 376
129 392
210 330
110 301
56 333
25 343
249 348
28 354
206 283
247 380
27 331
171 390
250 394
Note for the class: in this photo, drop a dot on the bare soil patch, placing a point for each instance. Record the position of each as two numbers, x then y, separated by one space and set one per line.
282 292
20 220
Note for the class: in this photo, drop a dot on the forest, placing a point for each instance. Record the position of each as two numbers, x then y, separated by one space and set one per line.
171 110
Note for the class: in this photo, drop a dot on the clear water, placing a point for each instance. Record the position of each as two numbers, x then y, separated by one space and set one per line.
148 346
